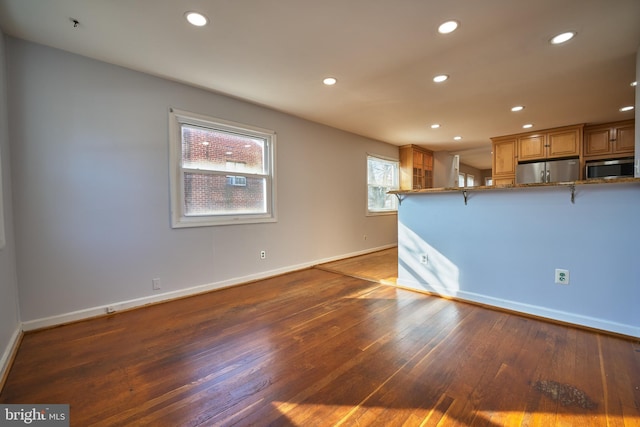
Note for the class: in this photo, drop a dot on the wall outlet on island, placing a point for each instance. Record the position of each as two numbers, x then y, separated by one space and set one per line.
562 276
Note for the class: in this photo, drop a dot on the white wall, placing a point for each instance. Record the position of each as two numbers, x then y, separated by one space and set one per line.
503 247
637 110
91 189
9 315
444 174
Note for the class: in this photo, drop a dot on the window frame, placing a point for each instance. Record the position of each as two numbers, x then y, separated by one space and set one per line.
237 180
464 176
462 179
466 180
179 219
393 211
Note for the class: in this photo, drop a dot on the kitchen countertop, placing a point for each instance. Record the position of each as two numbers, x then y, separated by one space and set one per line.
518 186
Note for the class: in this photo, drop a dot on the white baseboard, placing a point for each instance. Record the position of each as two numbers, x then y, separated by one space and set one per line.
535 310
101 310
9 351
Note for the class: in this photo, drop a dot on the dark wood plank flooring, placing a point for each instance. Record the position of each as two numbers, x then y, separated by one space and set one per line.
321 348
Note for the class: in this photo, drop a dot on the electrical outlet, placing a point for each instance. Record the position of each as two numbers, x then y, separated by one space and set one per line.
562 276
155 284
424 259
263 254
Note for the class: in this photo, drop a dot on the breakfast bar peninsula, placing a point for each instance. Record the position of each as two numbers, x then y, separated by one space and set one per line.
564 251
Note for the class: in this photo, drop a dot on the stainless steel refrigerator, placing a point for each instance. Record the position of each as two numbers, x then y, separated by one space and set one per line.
549 171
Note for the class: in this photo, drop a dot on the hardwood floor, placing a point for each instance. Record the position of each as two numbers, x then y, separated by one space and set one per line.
321 348
381 266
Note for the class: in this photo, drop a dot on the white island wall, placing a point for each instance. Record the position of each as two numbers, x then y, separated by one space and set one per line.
503 246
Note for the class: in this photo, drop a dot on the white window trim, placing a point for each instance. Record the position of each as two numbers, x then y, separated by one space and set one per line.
379 213
466 180
176 174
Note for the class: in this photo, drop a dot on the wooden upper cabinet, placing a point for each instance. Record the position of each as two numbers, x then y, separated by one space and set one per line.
550 144
504 161
564 143
416 168
597 142
626 139
509 150
610 140
504 156
531 147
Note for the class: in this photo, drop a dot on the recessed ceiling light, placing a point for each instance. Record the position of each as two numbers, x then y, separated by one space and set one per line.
457 138
634 84
435 126
562 38
197 19
517 108
330 81
448 27
627 108
440 78
527 126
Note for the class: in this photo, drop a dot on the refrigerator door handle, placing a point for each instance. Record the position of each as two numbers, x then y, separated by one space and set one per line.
548 176
542 176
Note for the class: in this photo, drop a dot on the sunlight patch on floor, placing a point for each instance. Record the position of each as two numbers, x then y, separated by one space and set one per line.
303 414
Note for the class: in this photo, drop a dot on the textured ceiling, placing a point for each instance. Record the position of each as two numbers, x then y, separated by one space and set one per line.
384 54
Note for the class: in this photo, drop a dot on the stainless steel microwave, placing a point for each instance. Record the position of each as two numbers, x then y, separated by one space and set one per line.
609 169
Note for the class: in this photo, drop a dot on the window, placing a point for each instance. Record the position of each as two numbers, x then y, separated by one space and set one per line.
233 179
239 181
466 180
221 172
382 176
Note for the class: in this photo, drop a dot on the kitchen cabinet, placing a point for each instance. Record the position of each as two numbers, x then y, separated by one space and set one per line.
416 168
610 140
557 143
503 161
550 144
565 142
504 181
531 147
